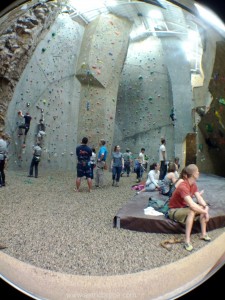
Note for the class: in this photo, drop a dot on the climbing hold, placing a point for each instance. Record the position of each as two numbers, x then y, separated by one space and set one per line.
222 101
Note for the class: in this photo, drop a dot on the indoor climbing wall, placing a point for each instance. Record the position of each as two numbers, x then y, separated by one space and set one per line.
212 124
48 88
99 67
144 100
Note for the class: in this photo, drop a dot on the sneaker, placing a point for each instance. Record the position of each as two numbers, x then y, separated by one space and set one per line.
137 193
188 247
117 184
205 238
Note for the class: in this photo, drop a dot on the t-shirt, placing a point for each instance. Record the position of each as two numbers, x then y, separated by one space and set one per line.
104 151
27 120
126 157
117 159
37 150
3 149
93 158
84 153
162 148
142 157
184 189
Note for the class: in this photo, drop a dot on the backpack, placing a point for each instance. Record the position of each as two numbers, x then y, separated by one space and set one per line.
159 204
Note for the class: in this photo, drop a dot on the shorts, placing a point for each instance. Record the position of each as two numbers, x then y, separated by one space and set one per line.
180 214
84 169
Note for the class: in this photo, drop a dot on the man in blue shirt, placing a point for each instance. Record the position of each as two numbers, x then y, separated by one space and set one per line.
101 163
84 154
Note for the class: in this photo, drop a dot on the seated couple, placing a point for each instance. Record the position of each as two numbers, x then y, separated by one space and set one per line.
164 186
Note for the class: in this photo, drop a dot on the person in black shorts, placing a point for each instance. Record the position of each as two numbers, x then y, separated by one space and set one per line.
84 154
26 125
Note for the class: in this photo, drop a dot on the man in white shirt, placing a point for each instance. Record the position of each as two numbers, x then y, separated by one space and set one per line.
162 159
142 158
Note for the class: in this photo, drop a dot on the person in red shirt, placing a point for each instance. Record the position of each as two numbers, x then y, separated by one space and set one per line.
185 210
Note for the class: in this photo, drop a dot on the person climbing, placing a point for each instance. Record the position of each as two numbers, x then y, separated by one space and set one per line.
25 125
41 130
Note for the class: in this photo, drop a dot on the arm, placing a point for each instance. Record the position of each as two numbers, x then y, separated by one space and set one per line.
200 199
196 207
152 178
172 177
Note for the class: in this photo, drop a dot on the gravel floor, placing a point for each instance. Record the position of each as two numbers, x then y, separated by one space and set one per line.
45 223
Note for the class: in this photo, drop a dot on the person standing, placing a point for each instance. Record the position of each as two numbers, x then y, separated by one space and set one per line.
183 209
93 162
127 162
3 157
117 165
162 159
84 154
101 163
35 160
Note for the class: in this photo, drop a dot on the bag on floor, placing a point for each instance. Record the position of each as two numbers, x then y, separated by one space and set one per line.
159 204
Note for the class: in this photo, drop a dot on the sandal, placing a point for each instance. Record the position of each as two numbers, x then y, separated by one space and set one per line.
205 238
188 247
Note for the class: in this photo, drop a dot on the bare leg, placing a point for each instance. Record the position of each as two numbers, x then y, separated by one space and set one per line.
89 182
203 224
78 182
189 224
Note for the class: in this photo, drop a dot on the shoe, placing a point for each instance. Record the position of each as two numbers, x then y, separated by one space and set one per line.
30 176
117 184
128 175
137 193
36 176
205 238
188 247
113 183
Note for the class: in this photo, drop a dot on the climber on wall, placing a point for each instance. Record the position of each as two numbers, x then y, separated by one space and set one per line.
41 130
25 125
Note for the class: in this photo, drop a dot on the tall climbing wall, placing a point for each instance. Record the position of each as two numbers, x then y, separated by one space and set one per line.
49 88
99 67
20 31
212 124
144 100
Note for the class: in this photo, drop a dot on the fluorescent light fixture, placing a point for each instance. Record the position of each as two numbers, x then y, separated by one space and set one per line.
210 16
137 32
155 14
190 45
86 5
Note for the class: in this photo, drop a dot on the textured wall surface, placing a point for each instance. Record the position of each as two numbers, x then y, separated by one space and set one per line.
93 81
49 83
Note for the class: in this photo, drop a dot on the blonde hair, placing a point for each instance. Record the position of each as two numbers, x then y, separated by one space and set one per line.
190 169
